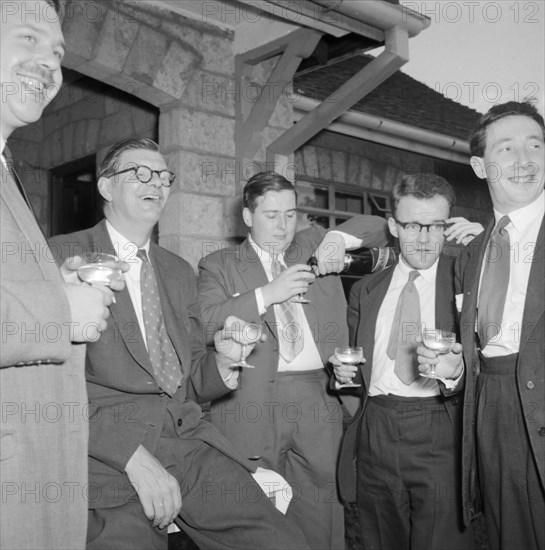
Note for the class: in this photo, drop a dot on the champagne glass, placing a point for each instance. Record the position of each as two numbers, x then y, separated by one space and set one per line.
440 341
100 268
349 355
251 332
277 268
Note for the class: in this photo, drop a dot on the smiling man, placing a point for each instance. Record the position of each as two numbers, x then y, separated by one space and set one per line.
503 326
152 458
44 427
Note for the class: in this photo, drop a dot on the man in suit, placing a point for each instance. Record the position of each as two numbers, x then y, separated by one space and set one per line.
152 458
400 454
281 416
43 431
503 314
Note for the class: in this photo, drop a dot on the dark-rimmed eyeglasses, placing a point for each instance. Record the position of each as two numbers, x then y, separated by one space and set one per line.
415 227
144 174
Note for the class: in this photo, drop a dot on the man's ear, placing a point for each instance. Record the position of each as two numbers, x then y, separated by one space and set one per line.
392 226
105 188
477 163
247 216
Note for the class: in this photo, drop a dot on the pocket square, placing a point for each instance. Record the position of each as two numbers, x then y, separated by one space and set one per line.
459 301
235 294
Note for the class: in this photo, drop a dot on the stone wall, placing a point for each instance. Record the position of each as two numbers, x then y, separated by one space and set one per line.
335 158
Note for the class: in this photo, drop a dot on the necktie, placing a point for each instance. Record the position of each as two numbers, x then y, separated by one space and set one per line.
11 167
405 328
494 283
165 363
288 316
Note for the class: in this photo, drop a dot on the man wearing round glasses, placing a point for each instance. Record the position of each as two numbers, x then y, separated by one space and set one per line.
149 448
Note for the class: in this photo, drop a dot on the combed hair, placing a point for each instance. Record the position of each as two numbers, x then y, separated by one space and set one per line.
477 139
262 182
422 186
110 164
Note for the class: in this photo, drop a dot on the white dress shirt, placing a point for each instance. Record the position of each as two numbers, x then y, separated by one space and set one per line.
523 232
383 379
127 252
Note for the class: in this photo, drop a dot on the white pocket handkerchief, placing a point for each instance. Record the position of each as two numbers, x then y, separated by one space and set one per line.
459 301
235 295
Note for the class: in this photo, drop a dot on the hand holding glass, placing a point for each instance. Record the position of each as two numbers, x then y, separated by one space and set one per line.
251 333
99 268
440 341
349 356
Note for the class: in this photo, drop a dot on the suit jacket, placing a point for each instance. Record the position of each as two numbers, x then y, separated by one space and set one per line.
366 298
227 282
530 368
42 388
126 406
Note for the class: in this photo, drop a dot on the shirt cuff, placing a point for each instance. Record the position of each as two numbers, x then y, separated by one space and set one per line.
350 242
260 301
450 384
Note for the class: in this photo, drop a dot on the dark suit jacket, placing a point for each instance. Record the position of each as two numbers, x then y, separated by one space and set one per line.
531 357
127 408
227 282
366 298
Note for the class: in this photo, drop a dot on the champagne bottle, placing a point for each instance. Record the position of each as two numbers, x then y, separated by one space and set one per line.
365 260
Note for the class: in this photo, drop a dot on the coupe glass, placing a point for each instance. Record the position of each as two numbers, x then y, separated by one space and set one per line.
349 355
250 333
99 268
440 341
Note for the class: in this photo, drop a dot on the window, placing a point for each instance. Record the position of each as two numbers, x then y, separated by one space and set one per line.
330 204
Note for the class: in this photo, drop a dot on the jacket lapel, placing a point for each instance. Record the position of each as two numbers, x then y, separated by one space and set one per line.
123 310
534 306
371 304
446 317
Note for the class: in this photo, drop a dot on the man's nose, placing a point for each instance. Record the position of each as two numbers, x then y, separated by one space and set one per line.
281 222
424 234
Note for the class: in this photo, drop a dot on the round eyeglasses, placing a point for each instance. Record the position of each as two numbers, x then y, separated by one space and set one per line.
144 174
415 227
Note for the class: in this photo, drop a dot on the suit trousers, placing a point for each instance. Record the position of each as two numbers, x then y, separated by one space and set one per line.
222 508
302 445
513 496
408 470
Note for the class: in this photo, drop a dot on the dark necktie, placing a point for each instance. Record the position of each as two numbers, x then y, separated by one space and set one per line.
290 329
405 328
165 363
494 283
15 176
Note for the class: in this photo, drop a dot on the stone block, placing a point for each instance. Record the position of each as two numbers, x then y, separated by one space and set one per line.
234 225
146 56
203 173
190 214
198 131
68 133
176 69
115 41
209 92
81 27
115 127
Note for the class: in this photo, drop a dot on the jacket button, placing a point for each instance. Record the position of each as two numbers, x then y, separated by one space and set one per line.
530 385
179 422
541 431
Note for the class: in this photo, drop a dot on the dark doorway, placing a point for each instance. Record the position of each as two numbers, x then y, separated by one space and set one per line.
75 201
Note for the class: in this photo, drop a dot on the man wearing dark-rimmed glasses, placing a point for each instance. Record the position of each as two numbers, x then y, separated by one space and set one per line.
404 438
152 459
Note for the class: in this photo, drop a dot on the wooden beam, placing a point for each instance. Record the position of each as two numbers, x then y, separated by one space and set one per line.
357 87
296 46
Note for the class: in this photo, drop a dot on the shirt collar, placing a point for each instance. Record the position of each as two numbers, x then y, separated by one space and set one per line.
126 250
524 216
264 255
427 275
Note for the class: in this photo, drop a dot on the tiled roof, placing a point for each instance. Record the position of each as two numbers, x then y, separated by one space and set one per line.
400 98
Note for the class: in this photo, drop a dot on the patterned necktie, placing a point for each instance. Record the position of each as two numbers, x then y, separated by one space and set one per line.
165 363
494 283
290 328
405 328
